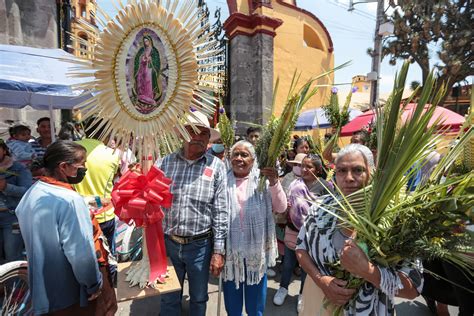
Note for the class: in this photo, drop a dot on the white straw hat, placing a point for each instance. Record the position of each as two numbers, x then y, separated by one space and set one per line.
298 159
200 119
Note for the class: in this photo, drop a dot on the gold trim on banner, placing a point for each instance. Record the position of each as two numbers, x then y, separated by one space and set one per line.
188 50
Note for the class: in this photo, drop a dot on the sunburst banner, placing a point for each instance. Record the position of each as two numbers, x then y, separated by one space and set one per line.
152 62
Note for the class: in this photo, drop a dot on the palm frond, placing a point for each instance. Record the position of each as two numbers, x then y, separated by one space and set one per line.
397 224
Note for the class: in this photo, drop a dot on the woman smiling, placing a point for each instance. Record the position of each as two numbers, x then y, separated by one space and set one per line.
251 243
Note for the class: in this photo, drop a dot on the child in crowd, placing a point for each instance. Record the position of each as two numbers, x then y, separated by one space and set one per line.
22 151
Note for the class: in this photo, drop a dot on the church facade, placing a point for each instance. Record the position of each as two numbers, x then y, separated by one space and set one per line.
272 39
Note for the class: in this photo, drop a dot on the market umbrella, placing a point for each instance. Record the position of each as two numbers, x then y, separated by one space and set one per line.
37 77
315 118
449 121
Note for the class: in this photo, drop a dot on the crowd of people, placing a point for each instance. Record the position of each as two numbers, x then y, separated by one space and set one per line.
220 222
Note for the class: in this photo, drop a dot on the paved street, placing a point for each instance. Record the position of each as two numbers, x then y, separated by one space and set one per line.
151 306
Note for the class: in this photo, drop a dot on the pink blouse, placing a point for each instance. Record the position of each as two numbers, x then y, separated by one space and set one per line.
277 194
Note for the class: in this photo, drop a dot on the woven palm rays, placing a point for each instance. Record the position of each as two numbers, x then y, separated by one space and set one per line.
152 62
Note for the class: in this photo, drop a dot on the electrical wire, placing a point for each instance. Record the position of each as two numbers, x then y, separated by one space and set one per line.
354 11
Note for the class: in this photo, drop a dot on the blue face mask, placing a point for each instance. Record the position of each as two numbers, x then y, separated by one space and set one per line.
218 148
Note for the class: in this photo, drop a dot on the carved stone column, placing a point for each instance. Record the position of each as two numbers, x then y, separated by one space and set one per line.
251 67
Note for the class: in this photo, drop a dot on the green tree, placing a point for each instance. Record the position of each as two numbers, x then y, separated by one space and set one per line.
427 27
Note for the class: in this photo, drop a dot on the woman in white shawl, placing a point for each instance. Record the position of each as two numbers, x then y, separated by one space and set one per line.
251 243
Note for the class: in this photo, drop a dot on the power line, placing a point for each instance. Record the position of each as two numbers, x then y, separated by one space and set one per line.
338 23
342 28
355 11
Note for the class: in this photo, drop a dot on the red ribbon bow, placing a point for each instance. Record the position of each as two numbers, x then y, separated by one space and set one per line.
139 197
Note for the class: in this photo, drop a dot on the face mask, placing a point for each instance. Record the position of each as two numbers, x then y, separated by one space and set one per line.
218 148
297 170
81 173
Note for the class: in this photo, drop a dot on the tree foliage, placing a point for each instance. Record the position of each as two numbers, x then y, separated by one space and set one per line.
427 27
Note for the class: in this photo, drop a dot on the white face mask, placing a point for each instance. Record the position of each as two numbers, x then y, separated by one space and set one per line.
297 170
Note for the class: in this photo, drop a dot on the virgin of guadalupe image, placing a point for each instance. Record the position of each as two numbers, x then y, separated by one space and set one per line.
147 87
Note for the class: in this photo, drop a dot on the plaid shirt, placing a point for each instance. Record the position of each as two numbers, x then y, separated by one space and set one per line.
199 198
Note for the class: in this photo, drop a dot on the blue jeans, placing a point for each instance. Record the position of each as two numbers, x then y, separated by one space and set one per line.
289 263
11 242
108 229
194 260
255 297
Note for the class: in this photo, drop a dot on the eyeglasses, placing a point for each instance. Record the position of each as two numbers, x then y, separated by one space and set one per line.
357 171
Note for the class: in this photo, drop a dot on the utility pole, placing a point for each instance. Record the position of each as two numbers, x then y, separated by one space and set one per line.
66 115
374 75
376 57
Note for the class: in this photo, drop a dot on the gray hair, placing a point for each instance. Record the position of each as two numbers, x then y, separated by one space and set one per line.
360 149
247 145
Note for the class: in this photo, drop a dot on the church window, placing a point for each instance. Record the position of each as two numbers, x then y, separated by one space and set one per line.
311 38
83 44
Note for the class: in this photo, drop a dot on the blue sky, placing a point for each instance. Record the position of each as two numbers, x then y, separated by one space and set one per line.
352 33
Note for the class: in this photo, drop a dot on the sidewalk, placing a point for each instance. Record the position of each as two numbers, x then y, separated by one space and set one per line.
151 306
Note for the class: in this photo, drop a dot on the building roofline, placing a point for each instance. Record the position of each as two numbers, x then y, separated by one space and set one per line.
312 16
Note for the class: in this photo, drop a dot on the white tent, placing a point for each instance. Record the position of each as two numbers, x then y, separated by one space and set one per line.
315 118
37 77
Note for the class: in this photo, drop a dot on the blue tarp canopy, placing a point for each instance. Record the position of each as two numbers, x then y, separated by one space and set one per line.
315 118
37 77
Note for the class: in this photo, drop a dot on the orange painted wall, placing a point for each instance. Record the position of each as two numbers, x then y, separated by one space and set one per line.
291 53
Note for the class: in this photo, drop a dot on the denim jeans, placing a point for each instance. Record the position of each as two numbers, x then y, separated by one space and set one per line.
108 229
11 242
255 297
289 263
194 260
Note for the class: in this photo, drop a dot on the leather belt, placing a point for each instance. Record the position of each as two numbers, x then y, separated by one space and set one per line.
184 240
4 209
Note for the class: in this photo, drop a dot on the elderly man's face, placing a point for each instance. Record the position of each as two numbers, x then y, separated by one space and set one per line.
199 141
352 173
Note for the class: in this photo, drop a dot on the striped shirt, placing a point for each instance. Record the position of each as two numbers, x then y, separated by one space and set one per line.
39 150
199 199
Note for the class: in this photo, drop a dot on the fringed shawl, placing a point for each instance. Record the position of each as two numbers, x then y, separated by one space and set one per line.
251 242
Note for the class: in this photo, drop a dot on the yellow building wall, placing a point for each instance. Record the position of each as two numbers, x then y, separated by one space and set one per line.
361 83
243 6
300 44
78 33
292 53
